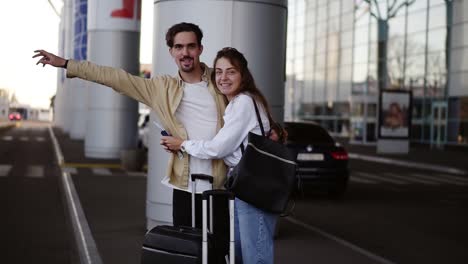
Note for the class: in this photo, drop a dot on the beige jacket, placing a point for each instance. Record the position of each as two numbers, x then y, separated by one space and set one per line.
163 95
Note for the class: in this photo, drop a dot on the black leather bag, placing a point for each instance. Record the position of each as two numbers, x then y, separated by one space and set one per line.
265 175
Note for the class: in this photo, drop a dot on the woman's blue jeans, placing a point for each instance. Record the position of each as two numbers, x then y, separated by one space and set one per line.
254 231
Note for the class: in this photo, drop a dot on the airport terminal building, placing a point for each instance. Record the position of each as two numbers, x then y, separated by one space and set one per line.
342 54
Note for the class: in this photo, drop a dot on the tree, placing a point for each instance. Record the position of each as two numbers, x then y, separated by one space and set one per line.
4 94
392 8
13 98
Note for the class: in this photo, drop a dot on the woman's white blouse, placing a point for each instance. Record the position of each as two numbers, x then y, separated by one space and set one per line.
239 119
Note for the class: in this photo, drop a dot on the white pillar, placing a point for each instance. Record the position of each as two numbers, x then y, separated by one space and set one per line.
79 87
256 28
113 40
59 95
68 48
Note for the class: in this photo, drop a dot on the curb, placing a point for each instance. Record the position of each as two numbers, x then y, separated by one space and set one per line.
87 249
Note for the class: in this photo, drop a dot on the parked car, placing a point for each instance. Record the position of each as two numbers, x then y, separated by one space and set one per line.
322 161
143 131
14 116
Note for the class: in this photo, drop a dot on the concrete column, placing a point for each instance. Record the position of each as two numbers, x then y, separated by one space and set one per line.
113 40
79 87
59 95
257 28
68 53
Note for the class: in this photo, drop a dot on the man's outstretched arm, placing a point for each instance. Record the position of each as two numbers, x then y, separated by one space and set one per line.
141 89
50 59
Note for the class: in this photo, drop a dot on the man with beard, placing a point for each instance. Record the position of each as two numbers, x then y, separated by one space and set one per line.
187 105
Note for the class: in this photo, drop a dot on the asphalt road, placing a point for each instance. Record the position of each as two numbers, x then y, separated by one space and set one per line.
389 214
33 225
402 215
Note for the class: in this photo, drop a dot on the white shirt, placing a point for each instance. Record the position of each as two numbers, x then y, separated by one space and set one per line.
239 119
198 114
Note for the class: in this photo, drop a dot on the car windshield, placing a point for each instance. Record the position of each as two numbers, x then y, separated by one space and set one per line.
307 134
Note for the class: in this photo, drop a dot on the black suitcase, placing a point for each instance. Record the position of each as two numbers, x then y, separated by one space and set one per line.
177 245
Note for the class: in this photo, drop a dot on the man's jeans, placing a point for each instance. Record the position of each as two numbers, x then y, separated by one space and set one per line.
254 234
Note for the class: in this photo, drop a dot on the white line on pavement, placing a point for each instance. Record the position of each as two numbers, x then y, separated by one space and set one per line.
455 178
317 230
439 179
101 171
71 170
355 178
136 173
417 165
4 169
380 178
34 171
87 248
413 179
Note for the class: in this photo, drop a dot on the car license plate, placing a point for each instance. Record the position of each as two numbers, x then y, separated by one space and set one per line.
309 156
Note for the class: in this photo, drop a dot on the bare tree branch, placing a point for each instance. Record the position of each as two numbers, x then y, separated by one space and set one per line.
392 6
358 5
406 3
377 7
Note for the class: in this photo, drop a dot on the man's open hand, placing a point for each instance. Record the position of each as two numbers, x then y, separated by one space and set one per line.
49 58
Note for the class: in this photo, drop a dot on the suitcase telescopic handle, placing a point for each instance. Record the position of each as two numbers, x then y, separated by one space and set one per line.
195 177
202 177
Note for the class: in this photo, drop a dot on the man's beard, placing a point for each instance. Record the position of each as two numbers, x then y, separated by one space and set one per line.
188 68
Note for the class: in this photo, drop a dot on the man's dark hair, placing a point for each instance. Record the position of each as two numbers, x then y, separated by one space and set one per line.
183 27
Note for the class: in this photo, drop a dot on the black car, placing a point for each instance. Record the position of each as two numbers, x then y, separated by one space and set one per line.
322 161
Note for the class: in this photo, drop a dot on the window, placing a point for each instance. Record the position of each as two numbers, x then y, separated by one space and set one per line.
417 21
437 16
361 53
437 39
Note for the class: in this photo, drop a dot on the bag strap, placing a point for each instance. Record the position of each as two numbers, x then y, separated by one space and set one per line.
259 119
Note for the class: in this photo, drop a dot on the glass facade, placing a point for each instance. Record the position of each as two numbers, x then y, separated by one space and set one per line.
335 67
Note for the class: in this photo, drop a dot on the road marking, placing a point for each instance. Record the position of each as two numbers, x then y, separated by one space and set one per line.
136 173
418 165
101 171
40 139
355 178
24 139
411 179
439 179
70 170
7 138
34 171
4 169
339 240
380 178
93 165
455 178
87 249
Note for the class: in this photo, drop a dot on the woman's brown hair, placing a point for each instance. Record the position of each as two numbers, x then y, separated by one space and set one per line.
247 85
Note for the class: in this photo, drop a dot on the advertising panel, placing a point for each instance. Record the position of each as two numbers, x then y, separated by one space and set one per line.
395 114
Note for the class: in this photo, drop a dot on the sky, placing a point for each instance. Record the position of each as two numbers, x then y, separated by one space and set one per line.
28 25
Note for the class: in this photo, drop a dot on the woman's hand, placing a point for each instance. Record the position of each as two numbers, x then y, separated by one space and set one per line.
171 143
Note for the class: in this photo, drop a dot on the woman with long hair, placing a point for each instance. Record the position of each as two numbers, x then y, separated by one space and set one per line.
254 227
